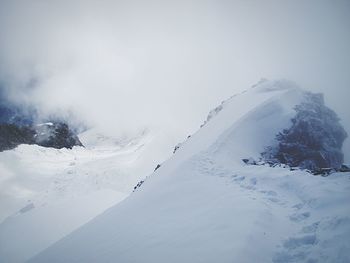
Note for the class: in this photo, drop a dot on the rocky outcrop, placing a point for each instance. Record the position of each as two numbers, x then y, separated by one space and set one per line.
12 135
55 135
17 127
315 139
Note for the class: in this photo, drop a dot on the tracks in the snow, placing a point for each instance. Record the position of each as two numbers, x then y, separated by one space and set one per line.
293 248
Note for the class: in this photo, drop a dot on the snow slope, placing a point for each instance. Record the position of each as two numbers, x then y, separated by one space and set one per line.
46 193
205 205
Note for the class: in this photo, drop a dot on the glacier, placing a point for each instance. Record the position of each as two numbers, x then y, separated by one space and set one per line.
46 193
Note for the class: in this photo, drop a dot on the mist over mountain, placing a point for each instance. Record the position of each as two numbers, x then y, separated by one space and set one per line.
19 124
126 65
12 113
138 131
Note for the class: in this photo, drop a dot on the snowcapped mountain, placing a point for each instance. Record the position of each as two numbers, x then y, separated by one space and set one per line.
46 193
205 205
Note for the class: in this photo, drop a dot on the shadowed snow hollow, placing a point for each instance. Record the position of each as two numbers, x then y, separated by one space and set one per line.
205 205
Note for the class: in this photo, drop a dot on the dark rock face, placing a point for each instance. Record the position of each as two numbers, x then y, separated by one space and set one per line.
12 135
55 135
17 127
313 141
5 114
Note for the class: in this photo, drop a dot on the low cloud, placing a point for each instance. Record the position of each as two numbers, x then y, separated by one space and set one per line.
122 65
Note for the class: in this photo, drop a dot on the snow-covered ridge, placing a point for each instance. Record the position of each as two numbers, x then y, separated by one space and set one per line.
263 107
205 205
263 85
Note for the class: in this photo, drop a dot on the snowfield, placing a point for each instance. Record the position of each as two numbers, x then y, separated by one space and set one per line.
205 205
47 193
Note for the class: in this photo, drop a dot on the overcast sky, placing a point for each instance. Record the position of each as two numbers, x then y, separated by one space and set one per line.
131 63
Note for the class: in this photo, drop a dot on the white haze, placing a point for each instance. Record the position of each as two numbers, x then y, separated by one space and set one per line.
122 65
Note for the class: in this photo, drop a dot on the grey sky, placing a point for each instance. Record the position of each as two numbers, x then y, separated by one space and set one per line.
131 63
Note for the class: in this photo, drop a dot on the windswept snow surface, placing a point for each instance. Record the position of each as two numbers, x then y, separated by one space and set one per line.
205 205
47 193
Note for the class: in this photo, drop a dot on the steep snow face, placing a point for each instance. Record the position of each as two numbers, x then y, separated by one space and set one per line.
247 122
46 193
205 205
